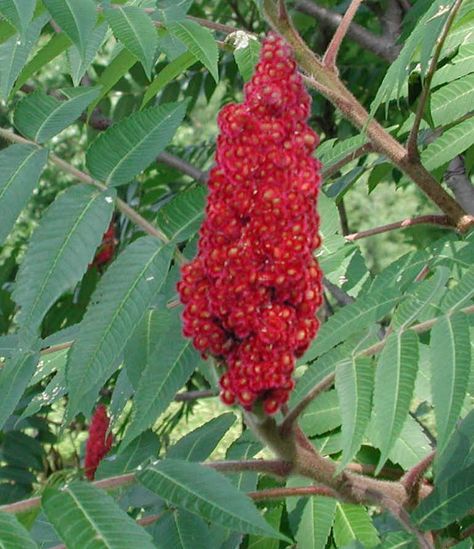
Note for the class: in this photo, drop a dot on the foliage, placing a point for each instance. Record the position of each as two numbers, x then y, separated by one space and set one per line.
107 118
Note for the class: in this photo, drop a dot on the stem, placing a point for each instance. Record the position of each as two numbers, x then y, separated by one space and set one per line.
357 153
194 395
329 58
328 83
433 219
412 143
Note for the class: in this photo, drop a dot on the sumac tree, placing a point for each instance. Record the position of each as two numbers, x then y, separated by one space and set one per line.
316 389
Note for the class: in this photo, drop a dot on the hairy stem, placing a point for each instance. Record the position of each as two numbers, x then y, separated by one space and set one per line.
329 58
430 219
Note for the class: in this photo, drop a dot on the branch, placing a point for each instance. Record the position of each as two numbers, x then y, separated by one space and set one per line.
276 467
412 143
432 219
280 493
357 153
183 166
412 478
458 181
328 381
328 83
330 56
195 395
85 178
373 43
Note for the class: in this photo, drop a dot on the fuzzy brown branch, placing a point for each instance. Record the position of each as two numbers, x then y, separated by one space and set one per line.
368 40
330 56
328 83
276 467
432 219
280 493
412 142
413 478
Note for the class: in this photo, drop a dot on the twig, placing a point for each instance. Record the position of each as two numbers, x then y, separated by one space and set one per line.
194 395
280 493
275 467
431 219
328 381
293 415
86 178
357 153
460 183
378 45
412 478
329 58
412 143
339 295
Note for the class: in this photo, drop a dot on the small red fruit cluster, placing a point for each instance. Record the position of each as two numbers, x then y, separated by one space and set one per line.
106 250
252 292
98 443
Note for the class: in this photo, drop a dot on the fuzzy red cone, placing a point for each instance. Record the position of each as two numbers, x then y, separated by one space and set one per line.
252 292
98 444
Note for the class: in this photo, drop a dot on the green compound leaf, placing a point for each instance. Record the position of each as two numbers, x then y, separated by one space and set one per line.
76 19
354 385
246 54
85 516
450 348
13 535
394 385
20 168
199 41
128 147
40 116
352 522
60 250
134 28
207 493
453 101
120 301
18 12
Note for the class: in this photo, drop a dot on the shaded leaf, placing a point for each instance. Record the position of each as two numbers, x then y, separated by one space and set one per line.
199 444
199 41
15 375
182 216
20 168
451 499
13 535
394 384
60 250
85 516
323 414
76 19
458 453
461 294
452 101
170 365
453 142
182 530
14 53
40 116
354 385
451 364
126 148
118 304
18 12
205 492
167 74
79 64
352 522
134 28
